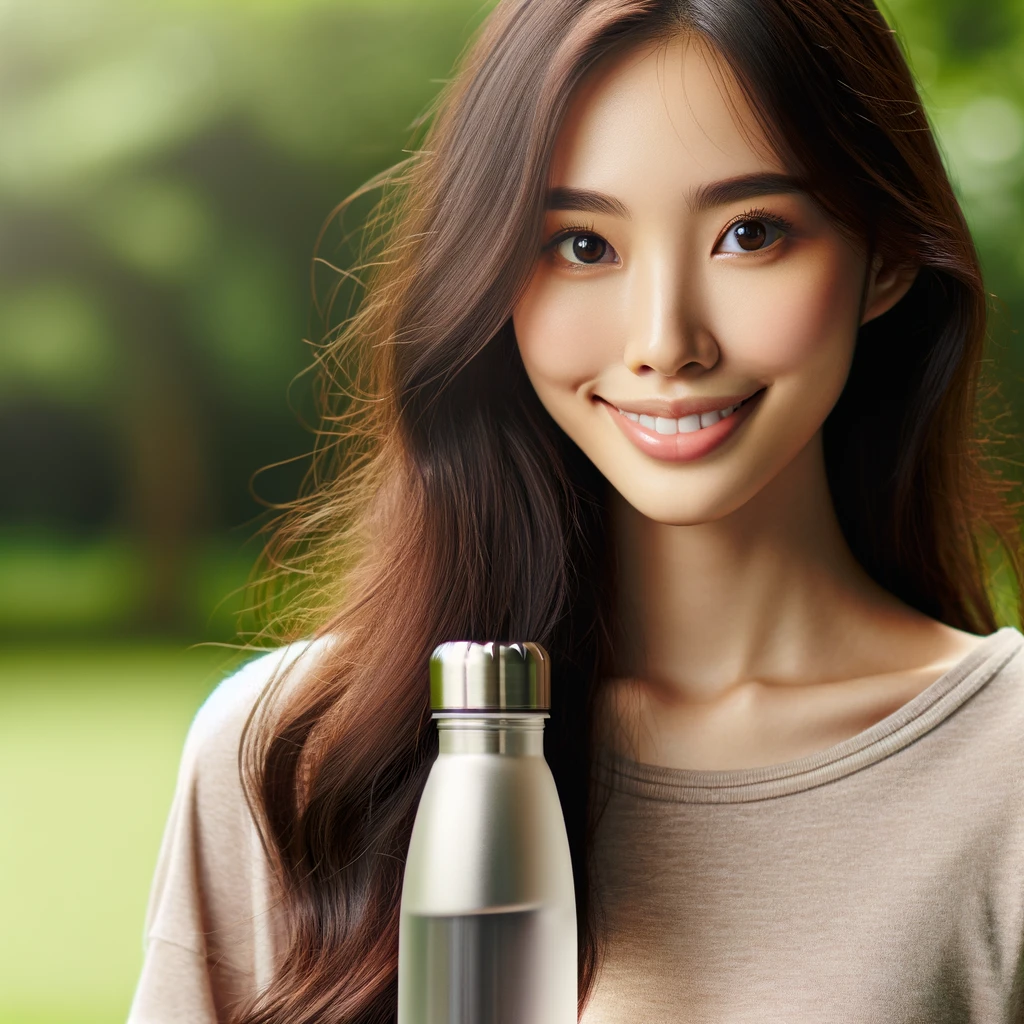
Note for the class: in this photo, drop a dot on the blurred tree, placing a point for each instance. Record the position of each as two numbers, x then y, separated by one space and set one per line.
167 168
164 171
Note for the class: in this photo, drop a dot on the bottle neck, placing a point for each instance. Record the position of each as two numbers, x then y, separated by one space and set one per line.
518 734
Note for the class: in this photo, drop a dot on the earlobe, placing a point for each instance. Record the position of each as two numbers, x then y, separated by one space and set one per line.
887 285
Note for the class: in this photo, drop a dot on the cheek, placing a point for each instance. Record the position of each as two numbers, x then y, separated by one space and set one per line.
801 316
565 334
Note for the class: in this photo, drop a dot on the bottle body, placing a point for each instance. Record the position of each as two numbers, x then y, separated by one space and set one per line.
488 918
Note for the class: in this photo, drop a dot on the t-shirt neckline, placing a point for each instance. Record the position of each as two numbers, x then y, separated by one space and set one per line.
919 715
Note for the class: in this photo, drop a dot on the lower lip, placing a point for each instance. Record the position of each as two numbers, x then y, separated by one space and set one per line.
683 447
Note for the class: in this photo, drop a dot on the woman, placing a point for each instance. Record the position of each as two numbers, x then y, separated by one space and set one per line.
671 354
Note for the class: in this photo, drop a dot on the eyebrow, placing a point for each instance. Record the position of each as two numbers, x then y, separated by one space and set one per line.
586 201
744 186
704 197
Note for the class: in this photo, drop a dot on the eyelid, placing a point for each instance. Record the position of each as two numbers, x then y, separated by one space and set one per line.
758 213
576 229
568 231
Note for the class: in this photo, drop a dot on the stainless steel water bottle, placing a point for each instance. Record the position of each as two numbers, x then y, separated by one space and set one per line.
487 933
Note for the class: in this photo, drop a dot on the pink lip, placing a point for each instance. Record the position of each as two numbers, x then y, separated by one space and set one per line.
683 447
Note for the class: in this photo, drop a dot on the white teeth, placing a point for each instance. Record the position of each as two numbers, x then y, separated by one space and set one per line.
683 425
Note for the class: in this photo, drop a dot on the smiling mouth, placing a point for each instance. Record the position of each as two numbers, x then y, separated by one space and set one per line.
684 424
684 439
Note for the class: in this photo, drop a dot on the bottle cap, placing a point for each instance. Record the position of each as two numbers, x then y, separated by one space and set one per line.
490 676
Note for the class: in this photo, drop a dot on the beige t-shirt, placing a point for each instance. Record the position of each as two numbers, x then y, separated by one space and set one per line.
880 881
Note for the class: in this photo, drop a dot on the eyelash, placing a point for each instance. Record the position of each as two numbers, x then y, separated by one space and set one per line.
757 213
567 232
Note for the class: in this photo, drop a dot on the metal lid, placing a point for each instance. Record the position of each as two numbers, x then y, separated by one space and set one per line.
489 677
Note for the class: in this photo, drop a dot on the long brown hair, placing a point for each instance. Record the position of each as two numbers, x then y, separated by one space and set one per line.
446 504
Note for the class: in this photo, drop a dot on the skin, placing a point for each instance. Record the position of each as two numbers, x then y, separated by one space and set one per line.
748 634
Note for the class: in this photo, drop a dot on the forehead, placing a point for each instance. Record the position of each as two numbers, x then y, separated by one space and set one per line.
657 120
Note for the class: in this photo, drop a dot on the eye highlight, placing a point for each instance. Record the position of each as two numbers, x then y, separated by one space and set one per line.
580 246
755 231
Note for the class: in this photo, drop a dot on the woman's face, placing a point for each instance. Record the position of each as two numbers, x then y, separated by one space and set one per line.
672 290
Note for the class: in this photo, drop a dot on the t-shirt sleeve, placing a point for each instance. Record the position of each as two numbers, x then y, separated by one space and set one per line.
213 924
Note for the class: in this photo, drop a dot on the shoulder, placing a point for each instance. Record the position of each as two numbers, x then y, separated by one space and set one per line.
988 724
216 730
213 893
989 681
1005 667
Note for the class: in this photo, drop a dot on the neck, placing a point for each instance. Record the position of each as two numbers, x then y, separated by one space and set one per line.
768 592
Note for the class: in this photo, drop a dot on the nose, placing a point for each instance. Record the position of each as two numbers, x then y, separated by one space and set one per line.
668 333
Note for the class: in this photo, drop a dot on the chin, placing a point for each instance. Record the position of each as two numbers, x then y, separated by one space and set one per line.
671 506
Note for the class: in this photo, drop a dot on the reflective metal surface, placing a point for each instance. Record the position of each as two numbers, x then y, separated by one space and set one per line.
490 676
493 968
487 932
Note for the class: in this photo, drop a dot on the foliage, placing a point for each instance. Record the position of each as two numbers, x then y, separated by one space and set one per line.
166 169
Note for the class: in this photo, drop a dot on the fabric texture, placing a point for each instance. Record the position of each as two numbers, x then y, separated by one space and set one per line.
213 929
879 881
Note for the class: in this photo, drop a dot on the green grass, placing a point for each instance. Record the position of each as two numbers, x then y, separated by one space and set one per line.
89 747
53 585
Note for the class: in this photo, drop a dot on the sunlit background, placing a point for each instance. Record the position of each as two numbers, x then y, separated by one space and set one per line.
165 168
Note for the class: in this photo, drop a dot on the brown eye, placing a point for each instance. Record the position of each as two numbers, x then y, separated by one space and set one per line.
583 248
752 235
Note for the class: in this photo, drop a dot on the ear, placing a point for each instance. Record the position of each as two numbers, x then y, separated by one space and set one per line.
886 285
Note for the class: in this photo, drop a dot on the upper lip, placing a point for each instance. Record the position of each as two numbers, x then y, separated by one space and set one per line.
675 410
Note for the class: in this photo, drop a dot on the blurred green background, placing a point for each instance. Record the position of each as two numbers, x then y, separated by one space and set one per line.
165 169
